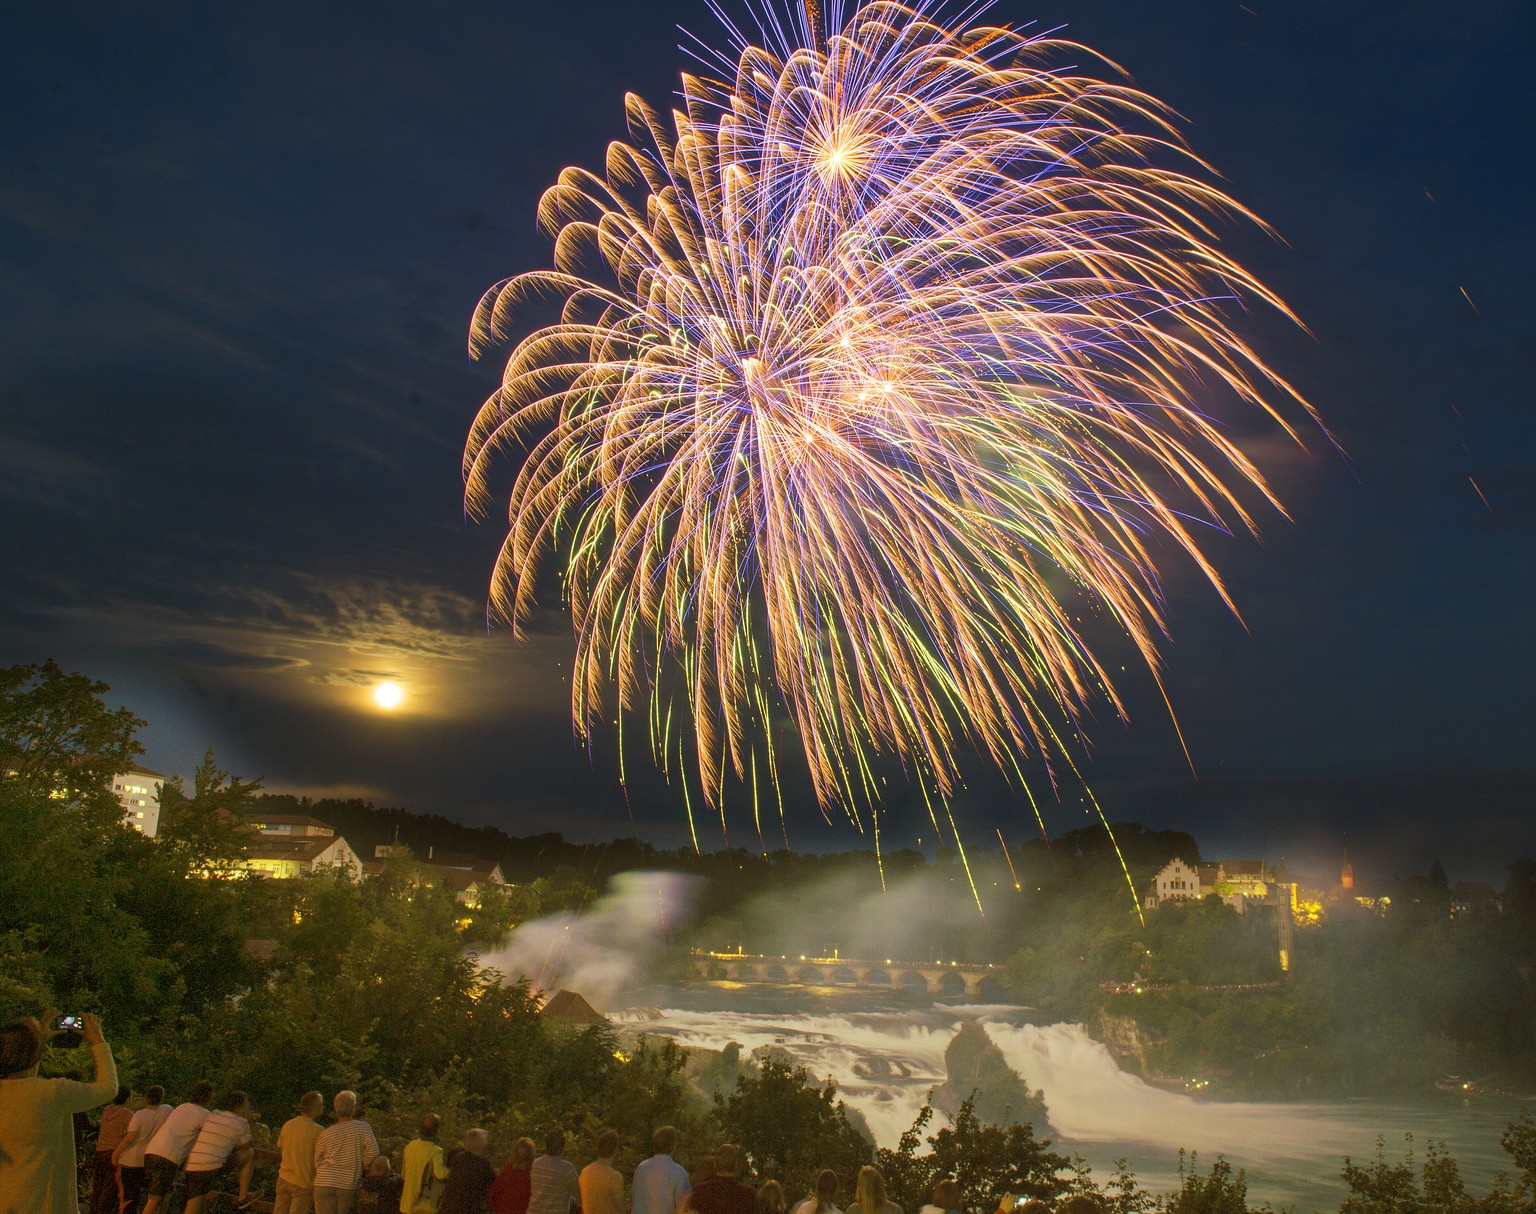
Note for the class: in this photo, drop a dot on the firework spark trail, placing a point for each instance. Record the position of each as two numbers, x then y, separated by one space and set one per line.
874 362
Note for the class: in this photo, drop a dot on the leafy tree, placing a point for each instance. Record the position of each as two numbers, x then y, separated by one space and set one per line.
1122 1194
69 874
649 1090
59 740
1519 1139
103 918
789 1128
1222 1191
209 830
986 1160
1381 1187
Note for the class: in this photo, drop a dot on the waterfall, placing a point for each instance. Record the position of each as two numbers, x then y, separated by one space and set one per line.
885 1063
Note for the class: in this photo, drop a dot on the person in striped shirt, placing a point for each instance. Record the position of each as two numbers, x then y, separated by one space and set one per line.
554 1186
224 1139
342 1154
168 1149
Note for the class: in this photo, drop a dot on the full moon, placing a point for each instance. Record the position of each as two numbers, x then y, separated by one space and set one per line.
388 695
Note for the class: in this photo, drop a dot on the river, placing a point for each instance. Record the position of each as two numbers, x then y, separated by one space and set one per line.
886 1054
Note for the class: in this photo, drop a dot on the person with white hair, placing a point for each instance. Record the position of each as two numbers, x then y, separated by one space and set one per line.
343 1152
470 1176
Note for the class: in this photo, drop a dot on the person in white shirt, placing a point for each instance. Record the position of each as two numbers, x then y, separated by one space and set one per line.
167 1150
342 1154
296 1157
129 1156
661 1184
225 1137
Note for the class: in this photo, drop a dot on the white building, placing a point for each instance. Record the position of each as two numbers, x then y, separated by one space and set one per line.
294 845
138 792
1175 882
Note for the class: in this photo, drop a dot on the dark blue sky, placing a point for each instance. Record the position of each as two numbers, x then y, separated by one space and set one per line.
239 250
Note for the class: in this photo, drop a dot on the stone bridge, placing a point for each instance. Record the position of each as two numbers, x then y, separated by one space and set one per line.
934 977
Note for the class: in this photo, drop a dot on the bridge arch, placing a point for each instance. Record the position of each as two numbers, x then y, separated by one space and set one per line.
877 978
987 987
912 981
809 975
949 983
775 973
842 976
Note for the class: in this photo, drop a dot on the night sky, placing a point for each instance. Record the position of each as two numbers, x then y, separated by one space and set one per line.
240 246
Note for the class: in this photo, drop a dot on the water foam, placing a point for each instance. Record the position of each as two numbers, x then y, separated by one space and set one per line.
885 1064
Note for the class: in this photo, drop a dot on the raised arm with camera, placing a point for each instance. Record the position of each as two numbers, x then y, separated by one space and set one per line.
37 1131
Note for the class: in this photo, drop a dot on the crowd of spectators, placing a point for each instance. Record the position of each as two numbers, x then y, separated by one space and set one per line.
205 1146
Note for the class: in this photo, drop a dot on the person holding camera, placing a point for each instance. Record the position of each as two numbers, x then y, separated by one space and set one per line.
37 1129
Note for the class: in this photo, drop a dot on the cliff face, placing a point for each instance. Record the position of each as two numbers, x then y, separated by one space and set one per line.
1138 1050
976 1066
1124 1038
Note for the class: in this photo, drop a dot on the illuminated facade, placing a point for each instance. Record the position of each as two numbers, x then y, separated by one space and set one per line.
294 845
1238 883
1175 882
138 791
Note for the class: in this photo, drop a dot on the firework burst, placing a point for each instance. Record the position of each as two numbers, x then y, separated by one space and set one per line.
879 360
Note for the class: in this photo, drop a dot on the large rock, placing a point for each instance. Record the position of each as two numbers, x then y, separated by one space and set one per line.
570 1008
976 1066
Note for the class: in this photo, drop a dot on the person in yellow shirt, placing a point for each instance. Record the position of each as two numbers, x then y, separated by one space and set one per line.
602 1187
422 1154
296 1168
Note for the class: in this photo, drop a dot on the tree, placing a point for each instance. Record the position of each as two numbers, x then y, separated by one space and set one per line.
1519 1139
59 740
210 829
1381 1187
1221 1192
986 1160
789 1128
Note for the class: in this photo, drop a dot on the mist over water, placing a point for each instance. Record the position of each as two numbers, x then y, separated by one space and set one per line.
886 1061
602 951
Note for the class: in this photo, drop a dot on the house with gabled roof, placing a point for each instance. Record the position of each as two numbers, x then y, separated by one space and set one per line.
295 845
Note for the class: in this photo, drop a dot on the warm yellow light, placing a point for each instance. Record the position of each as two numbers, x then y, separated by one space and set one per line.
388 695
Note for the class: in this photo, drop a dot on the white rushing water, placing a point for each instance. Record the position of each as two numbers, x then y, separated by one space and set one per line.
886 1061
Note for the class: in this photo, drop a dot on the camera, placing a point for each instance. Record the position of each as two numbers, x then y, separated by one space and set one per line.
68 1022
